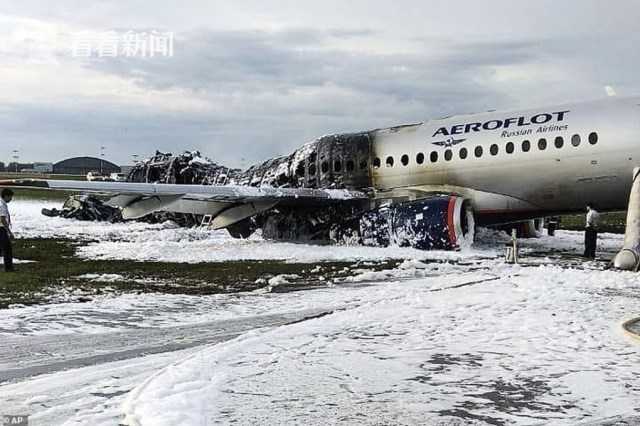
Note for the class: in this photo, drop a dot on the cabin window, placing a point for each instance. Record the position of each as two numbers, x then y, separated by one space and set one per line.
420 158
448 155
463 153
363 165
324 167
509 148
494 149
526 146
434 157
575 140
389 161
542 144
300 169
478 151
405 159
559 142
376 163
350 166
312 169
593 138
337 166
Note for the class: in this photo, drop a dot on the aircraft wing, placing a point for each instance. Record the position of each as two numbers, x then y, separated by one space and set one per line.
227 204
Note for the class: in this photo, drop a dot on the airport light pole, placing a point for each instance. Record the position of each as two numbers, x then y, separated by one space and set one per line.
16 156
101 159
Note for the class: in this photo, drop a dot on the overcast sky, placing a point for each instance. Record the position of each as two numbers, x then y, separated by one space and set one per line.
251 79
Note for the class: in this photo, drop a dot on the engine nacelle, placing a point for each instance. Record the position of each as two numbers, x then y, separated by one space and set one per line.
442 222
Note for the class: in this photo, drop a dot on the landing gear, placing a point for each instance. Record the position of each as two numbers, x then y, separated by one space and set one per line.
552 225
628 258
533 228
242 229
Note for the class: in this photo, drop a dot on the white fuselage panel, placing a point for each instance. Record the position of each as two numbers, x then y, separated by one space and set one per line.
548 177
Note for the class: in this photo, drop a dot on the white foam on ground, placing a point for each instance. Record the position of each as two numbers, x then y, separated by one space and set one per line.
28 222
524 345
108 312
17 261
537 345
90 396
104 313
102 278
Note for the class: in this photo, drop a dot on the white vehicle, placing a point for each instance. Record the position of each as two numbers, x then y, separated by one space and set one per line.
96 177
93 176
426 184
118 177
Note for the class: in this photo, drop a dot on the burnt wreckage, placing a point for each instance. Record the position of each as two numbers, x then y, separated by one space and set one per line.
330 162
341 161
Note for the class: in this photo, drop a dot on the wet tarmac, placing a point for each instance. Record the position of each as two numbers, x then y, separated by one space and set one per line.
24 357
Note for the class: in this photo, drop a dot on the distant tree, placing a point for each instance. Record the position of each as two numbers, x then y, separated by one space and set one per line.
2 167
13 166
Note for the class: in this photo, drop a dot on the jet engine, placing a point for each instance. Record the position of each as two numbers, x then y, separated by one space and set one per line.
443 222
439 222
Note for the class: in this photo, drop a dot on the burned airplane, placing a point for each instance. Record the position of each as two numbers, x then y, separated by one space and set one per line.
423 185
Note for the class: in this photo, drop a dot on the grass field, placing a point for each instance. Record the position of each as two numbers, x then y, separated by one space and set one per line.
39 194
613 222
10 175
55 275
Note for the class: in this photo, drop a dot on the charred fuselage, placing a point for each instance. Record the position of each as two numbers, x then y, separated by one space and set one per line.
342 161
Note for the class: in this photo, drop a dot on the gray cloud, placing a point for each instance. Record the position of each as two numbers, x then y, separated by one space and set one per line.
273 65
270 91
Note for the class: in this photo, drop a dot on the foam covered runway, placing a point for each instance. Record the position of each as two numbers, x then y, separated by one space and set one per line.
441 336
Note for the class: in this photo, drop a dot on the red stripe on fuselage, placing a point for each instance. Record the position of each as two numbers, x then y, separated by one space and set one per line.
451 221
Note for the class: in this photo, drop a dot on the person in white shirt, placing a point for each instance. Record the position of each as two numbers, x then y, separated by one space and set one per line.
5 229
591 232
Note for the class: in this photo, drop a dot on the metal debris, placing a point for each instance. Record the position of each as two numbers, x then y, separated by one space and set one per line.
91 208
87 208
189 168
330 162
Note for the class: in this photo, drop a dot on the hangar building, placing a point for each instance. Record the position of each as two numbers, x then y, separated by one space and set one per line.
84 165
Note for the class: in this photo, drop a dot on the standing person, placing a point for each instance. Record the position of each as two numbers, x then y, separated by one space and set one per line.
5 229
591 232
